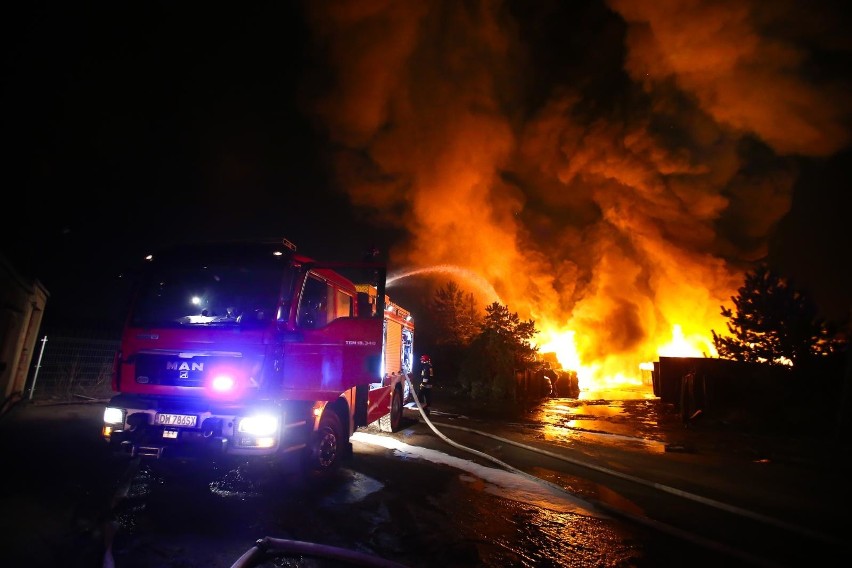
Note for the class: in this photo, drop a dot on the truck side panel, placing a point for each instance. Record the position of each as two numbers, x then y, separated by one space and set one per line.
379 400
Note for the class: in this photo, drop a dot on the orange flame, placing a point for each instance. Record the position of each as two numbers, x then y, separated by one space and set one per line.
592 377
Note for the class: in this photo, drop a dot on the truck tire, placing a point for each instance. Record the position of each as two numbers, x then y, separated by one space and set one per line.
392 421
327 446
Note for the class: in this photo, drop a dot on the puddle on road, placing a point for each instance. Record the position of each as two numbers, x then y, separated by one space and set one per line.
236 484
628 419
357 488
514 533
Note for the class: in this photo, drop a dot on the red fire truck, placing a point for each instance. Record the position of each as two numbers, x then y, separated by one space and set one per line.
253 352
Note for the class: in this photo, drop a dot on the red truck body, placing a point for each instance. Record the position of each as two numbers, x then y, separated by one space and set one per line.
253 352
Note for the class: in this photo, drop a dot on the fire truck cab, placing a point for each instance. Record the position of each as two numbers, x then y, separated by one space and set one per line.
250 351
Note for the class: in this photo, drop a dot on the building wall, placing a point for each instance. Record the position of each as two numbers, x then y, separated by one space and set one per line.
22 303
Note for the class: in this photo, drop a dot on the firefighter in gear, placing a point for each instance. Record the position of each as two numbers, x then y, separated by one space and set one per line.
426 379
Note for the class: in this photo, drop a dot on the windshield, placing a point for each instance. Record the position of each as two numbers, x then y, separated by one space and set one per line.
202 290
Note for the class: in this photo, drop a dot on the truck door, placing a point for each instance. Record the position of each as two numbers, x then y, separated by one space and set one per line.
334 350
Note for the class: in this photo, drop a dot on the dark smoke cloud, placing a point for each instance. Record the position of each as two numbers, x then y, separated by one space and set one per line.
748 81
612 181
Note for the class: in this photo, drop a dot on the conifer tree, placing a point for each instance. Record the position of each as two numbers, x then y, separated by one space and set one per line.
501 348
514 333
456 315
773 322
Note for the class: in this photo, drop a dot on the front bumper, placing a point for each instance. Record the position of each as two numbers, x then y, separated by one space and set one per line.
215 433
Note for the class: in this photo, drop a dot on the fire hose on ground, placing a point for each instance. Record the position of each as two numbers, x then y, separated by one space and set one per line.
477 452
268 546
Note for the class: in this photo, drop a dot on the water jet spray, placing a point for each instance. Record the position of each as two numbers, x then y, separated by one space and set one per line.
466 274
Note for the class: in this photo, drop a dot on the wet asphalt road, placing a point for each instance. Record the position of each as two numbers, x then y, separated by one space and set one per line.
65 502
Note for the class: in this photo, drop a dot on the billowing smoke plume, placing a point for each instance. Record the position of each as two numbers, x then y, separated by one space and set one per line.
609 168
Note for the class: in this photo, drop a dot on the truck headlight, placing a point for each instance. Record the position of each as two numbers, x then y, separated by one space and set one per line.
258 425
114 416
258 431
113 420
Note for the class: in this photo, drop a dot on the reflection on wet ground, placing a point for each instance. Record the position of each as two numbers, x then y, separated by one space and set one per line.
626 418
518 534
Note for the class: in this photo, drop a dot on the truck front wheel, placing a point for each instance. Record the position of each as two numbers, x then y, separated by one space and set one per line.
327 445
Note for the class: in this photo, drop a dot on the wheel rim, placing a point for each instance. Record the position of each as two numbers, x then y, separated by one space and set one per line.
327 449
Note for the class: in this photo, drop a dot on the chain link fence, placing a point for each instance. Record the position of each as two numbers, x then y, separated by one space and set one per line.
67 368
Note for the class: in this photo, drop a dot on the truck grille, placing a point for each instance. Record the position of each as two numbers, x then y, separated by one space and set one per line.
173 371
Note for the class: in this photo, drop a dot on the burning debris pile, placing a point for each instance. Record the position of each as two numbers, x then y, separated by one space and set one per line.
608 169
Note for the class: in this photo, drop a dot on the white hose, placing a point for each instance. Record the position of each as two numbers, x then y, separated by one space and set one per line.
481 454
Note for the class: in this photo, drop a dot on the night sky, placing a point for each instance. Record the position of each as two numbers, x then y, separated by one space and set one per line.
133 126
604 165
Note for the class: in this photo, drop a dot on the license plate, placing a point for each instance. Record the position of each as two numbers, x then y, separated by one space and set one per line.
185 420
173 434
